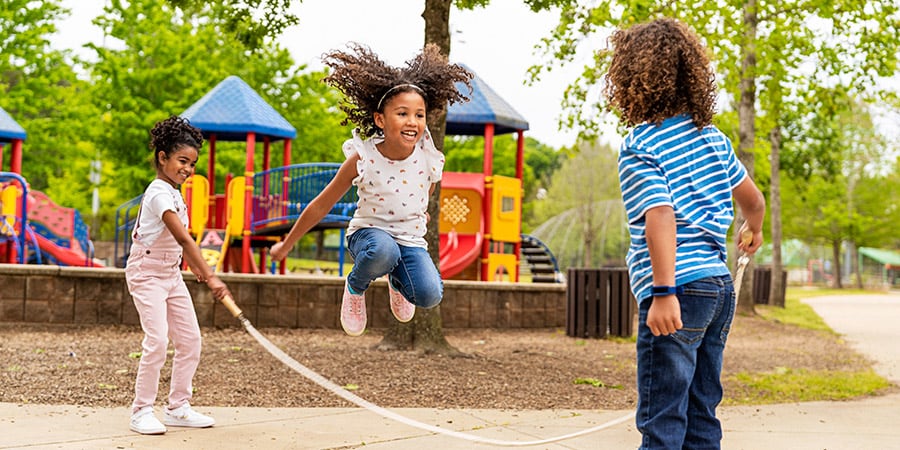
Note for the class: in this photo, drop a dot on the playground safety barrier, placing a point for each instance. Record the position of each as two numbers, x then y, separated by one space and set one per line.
599 302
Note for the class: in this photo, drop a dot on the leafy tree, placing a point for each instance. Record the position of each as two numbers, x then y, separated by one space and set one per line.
582 217
168 60
756 43
42 92
845 197
249 21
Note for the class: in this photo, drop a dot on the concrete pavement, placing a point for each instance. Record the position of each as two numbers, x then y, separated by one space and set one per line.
869 324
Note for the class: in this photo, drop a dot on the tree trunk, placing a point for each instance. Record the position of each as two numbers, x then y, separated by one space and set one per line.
425 332
320 245
776 288
836 271
854 261
747 132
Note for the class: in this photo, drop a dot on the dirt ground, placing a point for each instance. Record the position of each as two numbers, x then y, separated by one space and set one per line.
505 369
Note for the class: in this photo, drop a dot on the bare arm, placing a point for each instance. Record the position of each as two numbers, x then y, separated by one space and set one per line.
192 255
753 207
318 208
664 316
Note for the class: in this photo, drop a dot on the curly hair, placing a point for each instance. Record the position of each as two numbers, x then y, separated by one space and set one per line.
368 83
660 69
172 134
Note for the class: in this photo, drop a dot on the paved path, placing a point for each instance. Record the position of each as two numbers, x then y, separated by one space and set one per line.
869 323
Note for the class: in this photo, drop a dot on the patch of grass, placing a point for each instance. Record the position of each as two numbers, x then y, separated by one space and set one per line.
795 312
789 385
596 383
312 265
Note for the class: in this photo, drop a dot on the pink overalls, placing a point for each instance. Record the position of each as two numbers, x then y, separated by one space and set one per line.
155 282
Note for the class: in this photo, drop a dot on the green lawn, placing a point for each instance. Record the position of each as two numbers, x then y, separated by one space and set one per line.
788 384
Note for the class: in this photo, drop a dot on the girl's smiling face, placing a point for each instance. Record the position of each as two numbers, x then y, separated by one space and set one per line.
403 123
178 166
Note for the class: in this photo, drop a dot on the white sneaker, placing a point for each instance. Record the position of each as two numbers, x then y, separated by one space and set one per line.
184 416
145 422
402 309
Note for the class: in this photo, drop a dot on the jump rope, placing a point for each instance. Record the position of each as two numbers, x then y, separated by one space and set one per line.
361 402
329 385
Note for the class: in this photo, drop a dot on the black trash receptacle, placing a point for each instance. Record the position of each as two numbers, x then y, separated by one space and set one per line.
599 302
762 284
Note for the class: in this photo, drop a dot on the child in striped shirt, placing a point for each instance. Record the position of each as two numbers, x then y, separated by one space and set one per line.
678 174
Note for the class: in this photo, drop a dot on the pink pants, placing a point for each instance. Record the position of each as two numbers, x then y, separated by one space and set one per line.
167 311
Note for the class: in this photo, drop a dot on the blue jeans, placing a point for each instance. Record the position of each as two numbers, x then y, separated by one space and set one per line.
412 272
678 376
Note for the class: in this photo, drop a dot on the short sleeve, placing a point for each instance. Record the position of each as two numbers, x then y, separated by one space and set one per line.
434 157
643 183
159 203
735 170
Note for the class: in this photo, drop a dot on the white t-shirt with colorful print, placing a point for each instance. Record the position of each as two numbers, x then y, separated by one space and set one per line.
393 195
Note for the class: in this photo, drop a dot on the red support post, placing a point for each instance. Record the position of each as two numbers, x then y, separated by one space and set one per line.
212 220
248 198
488 193
15 160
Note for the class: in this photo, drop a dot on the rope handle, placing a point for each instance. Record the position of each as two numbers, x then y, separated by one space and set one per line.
746 237
231 306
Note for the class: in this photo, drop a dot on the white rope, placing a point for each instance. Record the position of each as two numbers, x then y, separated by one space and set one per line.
359 401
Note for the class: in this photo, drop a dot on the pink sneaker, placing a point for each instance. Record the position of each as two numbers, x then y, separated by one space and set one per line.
401 307
353 312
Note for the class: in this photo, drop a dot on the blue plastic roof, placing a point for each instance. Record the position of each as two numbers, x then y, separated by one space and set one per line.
484 107
10 130
232 109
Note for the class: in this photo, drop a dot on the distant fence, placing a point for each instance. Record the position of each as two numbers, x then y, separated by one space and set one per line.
599 302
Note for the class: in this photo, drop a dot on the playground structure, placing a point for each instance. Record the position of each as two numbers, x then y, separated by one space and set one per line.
257 208
34 229
481 213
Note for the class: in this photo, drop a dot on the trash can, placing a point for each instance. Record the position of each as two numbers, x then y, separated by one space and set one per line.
599 302
762 284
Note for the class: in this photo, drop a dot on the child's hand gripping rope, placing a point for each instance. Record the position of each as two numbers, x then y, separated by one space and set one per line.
743 261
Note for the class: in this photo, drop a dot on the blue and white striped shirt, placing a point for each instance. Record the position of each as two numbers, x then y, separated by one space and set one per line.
693 171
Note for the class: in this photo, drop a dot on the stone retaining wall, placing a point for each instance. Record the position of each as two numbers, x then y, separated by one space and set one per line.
54 294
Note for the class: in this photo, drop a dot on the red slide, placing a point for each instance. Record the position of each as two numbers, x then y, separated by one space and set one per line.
67 256
458 251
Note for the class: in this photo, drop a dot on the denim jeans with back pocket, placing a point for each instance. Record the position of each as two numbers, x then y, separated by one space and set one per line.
678 376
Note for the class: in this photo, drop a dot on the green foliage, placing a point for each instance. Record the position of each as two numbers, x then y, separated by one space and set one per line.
250 22
168 59
41 92
806 61
581 219
841 183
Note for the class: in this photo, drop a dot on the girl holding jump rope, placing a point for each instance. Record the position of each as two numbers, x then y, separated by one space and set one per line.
153 274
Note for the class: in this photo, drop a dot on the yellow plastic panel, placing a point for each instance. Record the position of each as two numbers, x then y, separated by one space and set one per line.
502 267
506 210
